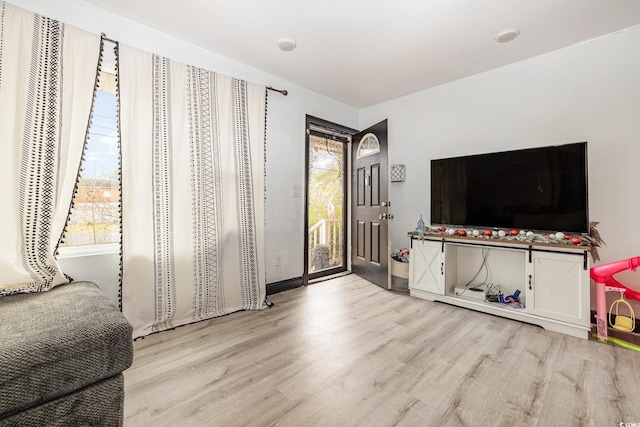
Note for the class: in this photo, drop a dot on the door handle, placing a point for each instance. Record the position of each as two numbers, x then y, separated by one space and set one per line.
530 286
382 216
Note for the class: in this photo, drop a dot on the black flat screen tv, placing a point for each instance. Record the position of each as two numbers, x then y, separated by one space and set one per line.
540 189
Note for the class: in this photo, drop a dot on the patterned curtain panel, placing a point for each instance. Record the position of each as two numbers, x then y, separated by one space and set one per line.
47 76
193 193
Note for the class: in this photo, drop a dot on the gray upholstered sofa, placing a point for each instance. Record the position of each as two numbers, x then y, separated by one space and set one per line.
62 354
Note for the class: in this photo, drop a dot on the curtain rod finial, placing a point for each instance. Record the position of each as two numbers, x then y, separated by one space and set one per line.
284 92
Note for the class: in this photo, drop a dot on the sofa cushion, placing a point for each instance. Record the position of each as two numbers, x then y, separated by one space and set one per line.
100 404
56 342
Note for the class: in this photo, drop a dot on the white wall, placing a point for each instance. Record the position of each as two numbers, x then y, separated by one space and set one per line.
98 264
587 92
285 131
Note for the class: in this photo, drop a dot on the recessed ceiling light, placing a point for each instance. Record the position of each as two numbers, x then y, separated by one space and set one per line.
286 44
507 35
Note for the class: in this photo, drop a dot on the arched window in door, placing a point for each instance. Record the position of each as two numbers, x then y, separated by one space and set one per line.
368 146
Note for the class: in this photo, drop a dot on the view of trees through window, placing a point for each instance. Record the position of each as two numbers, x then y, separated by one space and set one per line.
95 217
326 195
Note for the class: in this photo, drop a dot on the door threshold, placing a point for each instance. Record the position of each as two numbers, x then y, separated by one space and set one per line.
329 277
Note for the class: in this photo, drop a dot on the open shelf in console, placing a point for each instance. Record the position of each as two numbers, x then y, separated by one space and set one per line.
489 268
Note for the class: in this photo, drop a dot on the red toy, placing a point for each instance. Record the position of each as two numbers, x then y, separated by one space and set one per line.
605 282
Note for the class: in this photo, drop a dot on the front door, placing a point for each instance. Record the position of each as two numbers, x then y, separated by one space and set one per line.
370 201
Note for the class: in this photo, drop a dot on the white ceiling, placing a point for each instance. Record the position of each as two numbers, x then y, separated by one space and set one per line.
362 52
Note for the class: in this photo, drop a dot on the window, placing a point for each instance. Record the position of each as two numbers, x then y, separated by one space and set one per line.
368 145
95 217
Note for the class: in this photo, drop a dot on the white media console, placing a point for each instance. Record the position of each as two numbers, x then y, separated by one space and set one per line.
553 278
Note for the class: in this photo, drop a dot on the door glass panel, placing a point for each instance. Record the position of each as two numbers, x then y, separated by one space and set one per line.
326 203
368 146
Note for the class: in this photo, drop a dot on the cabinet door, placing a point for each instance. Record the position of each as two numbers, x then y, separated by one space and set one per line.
426 271
558 288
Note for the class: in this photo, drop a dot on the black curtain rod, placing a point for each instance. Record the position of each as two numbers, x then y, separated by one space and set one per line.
104 37
282 91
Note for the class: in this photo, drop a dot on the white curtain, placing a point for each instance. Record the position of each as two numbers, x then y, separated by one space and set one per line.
193 192
47 76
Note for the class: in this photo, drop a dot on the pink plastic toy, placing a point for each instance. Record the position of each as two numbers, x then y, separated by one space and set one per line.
605 282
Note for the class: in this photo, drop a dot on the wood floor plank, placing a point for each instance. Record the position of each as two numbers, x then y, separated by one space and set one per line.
346 352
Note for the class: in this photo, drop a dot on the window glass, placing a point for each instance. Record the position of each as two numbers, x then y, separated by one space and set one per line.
95 217
368 145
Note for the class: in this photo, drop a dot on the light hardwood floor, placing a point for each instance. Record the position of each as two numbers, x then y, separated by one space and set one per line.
348 353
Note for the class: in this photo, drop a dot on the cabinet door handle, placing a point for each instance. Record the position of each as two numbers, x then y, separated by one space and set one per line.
442 268
530 286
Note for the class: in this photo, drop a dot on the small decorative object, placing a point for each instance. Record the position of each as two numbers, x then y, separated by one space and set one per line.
475 233
451 231
522 232
321 257
567 237
443 229
456 232
462 233
398 173
400 255
594 239
530 234
488 233
552 236
420 225
559 235
576 240
502 233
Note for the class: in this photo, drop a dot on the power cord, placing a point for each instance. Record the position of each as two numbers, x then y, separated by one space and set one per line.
485 255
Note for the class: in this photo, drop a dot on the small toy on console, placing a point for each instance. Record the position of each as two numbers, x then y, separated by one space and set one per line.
512 301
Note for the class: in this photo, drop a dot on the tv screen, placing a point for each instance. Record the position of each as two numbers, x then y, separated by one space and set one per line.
543 189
